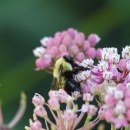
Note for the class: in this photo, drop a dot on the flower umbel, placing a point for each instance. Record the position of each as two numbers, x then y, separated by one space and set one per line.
68 42
67 119
109 81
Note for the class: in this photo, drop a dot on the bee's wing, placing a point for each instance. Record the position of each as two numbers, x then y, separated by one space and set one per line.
54 85
60 75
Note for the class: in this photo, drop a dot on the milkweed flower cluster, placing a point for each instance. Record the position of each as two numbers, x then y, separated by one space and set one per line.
110 80
68 42
67 119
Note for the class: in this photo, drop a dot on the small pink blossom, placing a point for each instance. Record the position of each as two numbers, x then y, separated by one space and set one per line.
69 115
120 108
128 114
39 51
126 52
107 75
86 63
127 103
122 64
121 121
87 97
92 110
91 52
50 43
80 56
86 45
67 40
119 94
98 53
57 40
128 65
54 103
72 32
54 51
40 111
109 116
93 39
62 48
44 41
36 125
85 108
79 38
64 33
38 100
41 63
74 49
109 99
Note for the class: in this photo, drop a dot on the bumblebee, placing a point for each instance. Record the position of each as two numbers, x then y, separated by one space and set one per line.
64 70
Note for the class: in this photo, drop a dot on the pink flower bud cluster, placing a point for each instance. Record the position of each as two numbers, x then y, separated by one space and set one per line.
68 42
67 119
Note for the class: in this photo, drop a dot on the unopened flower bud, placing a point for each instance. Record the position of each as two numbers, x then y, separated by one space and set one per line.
36 125
79 38
57 40
67 40
98 53
50 43
93 39
86 45
38 100
40 111
91 53
62 48
54 103
64 33
54 51
40 63
122 64
74 50
80 56
72 32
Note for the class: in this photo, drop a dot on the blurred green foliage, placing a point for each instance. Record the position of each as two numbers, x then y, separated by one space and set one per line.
24 22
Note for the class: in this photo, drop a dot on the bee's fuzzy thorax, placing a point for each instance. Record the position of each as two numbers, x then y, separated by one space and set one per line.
66 67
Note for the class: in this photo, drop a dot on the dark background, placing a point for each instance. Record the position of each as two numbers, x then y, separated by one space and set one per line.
24 22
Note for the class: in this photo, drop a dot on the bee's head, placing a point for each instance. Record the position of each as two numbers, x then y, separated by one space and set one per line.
69 59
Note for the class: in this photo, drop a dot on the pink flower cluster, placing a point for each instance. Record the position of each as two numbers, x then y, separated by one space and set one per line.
69 42
116 107
64 120
110 80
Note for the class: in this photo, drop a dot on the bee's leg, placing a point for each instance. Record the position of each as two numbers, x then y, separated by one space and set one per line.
72 85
